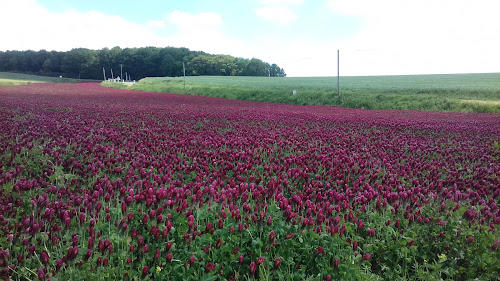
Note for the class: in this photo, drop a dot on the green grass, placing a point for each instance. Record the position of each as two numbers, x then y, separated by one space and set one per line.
446 92
13 79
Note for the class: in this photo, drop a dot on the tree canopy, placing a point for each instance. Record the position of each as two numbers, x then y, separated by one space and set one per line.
136 62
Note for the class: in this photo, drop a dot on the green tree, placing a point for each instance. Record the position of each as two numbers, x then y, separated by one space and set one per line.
274 70
256 67
91 68
137 62
47 65
282 73
73 62
81 63
199 66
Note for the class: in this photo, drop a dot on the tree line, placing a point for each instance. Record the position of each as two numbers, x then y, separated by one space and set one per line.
136 62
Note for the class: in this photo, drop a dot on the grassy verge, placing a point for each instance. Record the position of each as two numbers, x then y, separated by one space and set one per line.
13 79
460 92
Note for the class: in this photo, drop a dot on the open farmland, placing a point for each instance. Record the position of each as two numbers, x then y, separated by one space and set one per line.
11 79
101 183
444 92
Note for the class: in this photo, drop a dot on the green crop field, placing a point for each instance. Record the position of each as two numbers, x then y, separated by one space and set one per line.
446 92
12 79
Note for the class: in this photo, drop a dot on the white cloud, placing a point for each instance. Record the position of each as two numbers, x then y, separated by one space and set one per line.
156 24
279 14
396 37
362 7
29 26
300 57
281 2
425 21
422 36
204 32
277 11
24 25
188 21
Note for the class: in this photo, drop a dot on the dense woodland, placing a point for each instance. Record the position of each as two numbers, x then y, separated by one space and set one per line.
136 62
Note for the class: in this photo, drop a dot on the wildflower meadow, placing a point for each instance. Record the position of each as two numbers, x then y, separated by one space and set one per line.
109 184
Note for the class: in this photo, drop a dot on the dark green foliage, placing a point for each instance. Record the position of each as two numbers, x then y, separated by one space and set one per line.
256 67
276 71
136 62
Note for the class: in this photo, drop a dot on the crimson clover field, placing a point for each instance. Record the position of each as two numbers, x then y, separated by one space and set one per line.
108 184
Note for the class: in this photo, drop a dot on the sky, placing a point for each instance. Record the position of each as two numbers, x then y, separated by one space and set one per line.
383 37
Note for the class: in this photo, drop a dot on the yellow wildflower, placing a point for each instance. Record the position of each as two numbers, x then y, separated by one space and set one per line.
158 269
442 256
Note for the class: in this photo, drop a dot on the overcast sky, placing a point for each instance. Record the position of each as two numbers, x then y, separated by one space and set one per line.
382 37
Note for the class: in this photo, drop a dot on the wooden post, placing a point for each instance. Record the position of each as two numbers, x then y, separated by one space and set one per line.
338 73
184 70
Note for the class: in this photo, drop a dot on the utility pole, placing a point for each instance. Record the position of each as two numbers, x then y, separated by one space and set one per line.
338 73
184 70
